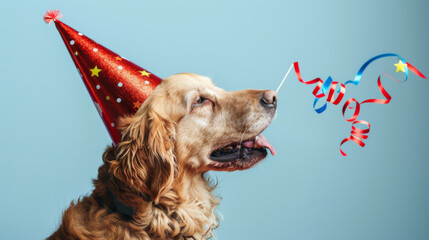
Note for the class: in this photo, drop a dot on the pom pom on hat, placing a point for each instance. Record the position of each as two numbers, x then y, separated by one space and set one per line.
52 15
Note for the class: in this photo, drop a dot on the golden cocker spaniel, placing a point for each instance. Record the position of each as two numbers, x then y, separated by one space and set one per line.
153 183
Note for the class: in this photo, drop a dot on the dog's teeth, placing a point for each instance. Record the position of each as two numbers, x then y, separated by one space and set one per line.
229 148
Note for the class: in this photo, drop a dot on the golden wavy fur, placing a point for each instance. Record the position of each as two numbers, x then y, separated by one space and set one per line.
164 154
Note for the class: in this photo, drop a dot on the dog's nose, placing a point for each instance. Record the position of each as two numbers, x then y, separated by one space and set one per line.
269 99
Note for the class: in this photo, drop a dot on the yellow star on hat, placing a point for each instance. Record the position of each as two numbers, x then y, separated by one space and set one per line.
144 73
95 71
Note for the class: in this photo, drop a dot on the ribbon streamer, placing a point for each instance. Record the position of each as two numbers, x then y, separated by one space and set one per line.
357 134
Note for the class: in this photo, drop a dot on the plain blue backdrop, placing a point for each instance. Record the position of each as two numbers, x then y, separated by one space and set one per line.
52 137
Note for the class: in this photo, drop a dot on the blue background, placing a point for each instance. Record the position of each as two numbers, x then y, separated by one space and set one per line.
52 137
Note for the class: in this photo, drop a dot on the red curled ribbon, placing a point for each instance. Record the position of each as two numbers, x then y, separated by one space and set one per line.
322 86
357 135
316 80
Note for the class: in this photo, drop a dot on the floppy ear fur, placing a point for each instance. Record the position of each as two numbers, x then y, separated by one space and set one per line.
145 158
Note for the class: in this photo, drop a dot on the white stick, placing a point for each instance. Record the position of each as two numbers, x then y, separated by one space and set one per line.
284 78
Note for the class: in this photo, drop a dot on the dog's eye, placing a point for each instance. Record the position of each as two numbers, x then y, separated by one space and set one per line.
199 101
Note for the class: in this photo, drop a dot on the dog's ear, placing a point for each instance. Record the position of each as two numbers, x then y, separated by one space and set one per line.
145 157
160 143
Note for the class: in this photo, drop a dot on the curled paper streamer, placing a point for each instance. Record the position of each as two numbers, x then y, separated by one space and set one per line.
322 86
357 135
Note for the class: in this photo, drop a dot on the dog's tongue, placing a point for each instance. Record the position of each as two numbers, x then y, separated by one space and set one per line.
260 141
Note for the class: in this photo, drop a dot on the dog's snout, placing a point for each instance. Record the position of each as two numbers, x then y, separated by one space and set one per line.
269 99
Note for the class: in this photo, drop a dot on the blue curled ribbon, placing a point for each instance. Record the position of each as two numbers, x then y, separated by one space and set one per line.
365 65
356 80
324 88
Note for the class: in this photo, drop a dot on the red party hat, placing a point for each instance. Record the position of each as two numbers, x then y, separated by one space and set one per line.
117 86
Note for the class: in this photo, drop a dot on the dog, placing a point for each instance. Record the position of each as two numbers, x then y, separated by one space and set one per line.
153 183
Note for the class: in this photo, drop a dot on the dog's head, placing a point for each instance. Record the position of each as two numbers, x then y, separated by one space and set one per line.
190 125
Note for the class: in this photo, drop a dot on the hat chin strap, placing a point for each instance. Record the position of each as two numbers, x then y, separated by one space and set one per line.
121 208
127 212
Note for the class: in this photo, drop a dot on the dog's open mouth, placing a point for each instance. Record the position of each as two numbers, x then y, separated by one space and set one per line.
252 149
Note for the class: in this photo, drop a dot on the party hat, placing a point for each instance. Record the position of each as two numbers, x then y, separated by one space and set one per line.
117 86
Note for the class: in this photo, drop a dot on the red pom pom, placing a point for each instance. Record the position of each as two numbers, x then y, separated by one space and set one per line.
52 15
